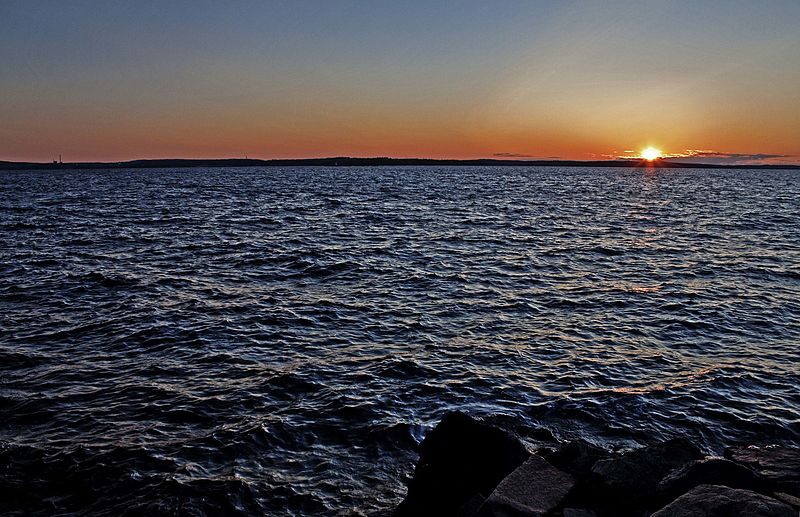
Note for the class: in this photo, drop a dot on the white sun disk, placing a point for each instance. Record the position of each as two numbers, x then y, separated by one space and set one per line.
651 153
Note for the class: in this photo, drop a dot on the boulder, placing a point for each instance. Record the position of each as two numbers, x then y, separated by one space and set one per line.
631 480
578 512
576 457
534 489
788 499
460 458
779 465
708 471
720 501
471 507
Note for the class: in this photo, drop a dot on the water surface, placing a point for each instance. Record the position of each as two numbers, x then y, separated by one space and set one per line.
279 340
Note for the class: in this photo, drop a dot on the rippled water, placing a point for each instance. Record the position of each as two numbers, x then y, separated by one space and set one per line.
279 340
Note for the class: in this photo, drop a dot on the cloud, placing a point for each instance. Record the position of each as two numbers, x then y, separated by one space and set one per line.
512 155
715 157
521 155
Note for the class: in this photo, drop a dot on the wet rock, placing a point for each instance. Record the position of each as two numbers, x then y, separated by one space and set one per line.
708 471
780 465
471 507
460 458
533 489
716 500
469 468
576 457
578 512
539 434
788 499
631 480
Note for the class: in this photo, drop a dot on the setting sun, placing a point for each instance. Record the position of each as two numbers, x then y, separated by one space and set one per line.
651 153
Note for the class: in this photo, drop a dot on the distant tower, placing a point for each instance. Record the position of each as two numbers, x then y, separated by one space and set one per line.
59 158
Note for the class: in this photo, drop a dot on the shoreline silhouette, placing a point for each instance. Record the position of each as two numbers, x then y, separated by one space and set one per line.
372 162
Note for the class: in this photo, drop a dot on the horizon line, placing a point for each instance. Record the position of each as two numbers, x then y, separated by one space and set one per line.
355 161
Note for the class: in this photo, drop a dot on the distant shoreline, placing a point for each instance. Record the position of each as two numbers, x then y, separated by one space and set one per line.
370 162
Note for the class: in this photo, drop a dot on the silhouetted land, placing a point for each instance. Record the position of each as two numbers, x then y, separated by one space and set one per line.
370 162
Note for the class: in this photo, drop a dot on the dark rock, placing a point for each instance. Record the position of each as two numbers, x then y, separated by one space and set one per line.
578 512
533 489
544 452
631 479
471 507
788 499
540 434
576 457
779 465
720 501
459 458
708 471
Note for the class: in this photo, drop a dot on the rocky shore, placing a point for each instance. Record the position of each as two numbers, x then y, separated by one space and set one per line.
471 469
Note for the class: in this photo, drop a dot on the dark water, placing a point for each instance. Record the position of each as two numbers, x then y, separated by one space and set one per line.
278 341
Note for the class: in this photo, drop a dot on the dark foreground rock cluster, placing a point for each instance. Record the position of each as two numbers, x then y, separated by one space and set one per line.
471 469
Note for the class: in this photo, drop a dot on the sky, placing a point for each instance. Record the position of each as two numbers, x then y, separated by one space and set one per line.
117 80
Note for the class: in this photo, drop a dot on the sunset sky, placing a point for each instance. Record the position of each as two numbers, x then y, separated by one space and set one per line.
114 80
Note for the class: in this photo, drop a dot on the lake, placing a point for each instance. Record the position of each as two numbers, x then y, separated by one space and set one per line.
279 340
